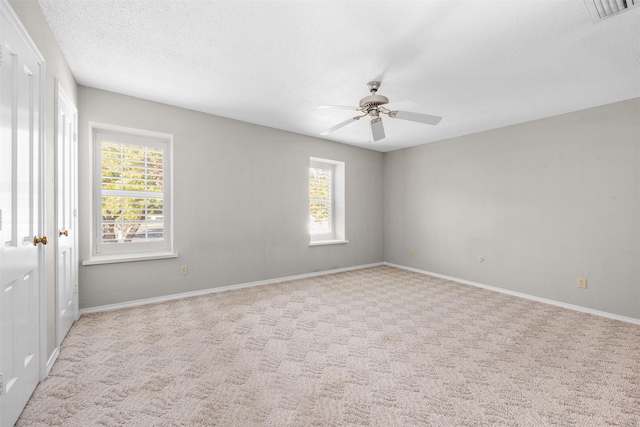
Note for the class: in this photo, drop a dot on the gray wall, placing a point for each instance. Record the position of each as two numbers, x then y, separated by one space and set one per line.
56 67
543 202
240 203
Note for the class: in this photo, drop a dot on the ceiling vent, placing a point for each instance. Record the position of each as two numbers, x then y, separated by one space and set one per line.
600 9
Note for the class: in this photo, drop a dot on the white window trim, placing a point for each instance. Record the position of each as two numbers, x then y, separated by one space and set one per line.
327 242
114 258
162 251
338 205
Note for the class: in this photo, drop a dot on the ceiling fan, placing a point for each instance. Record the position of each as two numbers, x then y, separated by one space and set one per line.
373 106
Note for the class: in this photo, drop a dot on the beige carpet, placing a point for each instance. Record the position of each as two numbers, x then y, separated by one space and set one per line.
373 347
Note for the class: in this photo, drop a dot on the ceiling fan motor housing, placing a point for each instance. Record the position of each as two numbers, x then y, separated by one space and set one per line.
373 101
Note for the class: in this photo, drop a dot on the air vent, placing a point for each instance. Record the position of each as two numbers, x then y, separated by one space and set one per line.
600 9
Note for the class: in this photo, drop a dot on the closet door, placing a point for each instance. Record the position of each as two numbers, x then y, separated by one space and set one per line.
21 226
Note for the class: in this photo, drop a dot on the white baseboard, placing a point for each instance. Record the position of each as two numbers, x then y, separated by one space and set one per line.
52 359
522 295
220 289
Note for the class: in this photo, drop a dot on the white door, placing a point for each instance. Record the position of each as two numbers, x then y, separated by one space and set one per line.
66 212
21 220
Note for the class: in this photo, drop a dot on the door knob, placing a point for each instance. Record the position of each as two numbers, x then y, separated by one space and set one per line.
64 233
42 240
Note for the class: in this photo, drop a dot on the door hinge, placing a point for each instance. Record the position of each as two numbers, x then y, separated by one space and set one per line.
75 137
1 384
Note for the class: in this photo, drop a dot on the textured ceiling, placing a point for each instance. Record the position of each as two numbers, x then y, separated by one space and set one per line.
479 64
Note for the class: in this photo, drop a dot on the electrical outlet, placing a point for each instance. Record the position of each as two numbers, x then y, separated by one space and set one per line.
413 253
582 282
184 270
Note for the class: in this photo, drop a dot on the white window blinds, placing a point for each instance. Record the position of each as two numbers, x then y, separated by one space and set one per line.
320 198
132 193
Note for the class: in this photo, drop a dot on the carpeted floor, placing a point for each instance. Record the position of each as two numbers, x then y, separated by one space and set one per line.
373 347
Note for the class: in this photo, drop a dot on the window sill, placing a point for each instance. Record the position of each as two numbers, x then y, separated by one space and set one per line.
328 242
112 259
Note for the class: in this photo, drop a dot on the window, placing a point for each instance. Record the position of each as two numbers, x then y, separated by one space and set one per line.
131 195
326 202
321 202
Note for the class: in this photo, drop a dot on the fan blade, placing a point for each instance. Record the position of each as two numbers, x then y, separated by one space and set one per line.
416 117
377 130
340 107
402 105
339 125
